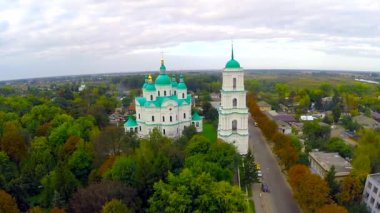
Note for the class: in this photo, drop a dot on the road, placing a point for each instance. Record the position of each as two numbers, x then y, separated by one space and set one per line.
280 198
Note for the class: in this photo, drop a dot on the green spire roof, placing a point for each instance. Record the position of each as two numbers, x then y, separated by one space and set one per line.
131 122
232 64
196 117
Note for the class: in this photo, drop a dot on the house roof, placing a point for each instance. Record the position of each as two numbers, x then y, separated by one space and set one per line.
328 159
366 122
285 117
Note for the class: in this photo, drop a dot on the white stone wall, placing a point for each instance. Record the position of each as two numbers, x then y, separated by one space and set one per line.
181 93
162 89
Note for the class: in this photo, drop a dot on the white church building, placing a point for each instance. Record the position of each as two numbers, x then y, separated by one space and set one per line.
233 112
165 105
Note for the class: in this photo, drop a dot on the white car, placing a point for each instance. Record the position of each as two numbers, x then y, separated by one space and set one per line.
259 174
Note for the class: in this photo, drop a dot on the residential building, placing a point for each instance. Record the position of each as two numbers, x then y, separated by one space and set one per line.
321 163
233 111
264 106
371 194
366 122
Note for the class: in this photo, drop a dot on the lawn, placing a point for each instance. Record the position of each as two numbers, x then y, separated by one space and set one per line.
209 131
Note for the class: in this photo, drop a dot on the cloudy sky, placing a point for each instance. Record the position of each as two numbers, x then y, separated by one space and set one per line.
61 37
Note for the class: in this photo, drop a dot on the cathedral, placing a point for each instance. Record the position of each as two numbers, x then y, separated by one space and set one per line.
165 105
233 112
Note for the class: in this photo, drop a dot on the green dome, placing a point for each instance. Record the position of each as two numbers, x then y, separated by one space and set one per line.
162 67
233 64
163 79
181 85
150 87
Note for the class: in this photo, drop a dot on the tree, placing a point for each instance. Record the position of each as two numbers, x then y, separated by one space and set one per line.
249 171
7 203
316 135
94 196
189 192
332 208
8 171
351 190
115 206
367 154
13 143
309 190
80 162
338 145
332 183
124 170
282 90
36 209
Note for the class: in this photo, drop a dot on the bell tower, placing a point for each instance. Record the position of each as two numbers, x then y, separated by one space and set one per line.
233 112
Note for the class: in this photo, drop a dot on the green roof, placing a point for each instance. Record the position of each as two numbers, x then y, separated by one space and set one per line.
174 81
149 87
162 67
182 85
162 99
163 79
131 122
196 117
232 64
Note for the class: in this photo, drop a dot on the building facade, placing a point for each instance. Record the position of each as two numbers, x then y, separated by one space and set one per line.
371 194
233 112
165 104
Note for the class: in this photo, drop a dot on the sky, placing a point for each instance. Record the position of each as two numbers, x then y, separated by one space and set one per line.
41 38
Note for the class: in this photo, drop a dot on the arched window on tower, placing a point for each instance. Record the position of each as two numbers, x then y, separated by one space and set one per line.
164 92
184 115
183 95
163 118
152 118
158 93
234 103
234 83
151 97
175 92
234 125
171 118
163 131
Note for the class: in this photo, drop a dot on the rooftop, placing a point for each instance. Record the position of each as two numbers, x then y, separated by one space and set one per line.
366 122
285 117
375 177
328 159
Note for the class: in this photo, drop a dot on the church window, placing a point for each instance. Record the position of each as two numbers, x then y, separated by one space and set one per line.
184 115
234 102
152 118
175 92
197 124
151 97
139 115
183 95
136 129
140 128
131 129
234 83
158 93
234 125
171 118
163 118
165 93
163 131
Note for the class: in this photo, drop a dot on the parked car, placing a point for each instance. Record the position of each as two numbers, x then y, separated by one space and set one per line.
259 174
264 187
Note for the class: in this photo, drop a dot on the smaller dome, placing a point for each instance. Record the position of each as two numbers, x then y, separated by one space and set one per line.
233 64
163 79
181 85
150 87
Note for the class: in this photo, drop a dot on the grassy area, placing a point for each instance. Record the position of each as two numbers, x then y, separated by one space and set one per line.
250 206
209 131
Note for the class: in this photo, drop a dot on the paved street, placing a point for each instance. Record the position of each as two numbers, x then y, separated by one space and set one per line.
280 198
